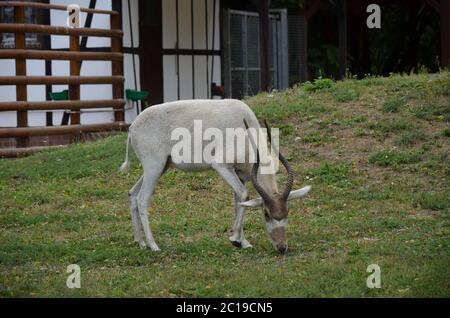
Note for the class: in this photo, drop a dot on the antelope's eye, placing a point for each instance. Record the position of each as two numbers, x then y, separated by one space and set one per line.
266 216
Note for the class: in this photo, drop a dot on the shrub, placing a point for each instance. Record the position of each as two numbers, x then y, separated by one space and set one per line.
318 84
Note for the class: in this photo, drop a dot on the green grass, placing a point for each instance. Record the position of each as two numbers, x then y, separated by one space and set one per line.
434 201
346 95
432 111
379 196
390 126
395 158
393 105
446 132
409 138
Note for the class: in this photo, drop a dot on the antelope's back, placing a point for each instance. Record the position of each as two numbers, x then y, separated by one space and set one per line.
221 114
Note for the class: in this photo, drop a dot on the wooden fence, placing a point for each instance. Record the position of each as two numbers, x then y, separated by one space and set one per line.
22 132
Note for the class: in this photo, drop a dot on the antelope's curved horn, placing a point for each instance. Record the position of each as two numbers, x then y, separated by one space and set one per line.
256 185
290 179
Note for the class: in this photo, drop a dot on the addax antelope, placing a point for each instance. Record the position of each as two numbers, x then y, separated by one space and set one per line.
151 136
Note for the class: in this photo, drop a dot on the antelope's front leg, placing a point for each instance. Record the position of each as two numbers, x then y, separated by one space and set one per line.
238 239
240 195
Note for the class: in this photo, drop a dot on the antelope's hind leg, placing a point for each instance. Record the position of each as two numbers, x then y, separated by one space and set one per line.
153 169
135 213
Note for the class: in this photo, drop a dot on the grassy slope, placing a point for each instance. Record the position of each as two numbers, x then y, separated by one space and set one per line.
375 151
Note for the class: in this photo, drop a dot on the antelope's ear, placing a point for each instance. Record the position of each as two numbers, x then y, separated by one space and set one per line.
299 193
251 203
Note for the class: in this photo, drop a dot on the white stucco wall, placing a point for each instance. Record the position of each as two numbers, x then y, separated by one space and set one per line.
185 42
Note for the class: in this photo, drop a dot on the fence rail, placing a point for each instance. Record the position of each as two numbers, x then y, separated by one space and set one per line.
57 30
58 130
59 55
60 80
66 104
21 54
39 5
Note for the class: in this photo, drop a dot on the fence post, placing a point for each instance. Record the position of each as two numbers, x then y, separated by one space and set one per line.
117 67
74 89
21 69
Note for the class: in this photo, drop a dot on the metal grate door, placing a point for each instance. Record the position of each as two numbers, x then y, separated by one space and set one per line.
241 52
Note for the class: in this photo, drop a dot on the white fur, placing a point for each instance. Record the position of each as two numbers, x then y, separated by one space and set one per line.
273 224
150 137
126 164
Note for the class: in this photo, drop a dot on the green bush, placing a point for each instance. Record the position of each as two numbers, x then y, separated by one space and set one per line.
318 84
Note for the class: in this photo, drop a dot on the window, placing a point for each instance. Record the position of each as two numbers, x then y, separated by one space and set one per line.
242 67
32 16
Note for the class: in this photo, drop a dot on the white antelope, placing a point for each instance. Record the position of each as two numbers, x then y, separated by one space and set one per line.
150 136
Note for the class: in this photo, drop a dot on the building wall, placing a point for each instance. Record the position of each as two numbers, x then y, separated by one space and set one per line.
196 86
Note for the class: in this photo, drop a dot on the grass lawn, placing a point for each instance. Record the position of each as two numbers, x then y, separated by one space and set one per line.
376 152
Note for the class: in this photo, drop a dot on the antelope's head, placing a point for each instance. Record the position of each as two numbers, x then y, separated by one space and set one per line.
274 206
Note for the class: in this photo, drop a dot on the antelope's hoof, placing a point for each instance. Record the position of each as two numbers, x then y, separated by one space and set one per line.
154 247
141 245
240 244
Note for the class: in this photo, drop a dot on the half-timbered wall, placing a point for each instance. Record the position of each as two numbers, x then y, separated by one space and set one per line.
190 60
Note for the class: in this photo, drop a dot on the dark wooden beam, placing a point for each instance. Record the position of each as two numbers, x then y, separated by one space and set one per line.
434 4
151 51
445 32
342 24
88 23
303 54
263 8
313 9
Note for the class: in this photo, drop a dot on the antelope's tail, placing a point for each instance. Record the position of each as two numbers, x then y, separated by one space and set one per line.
126 164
